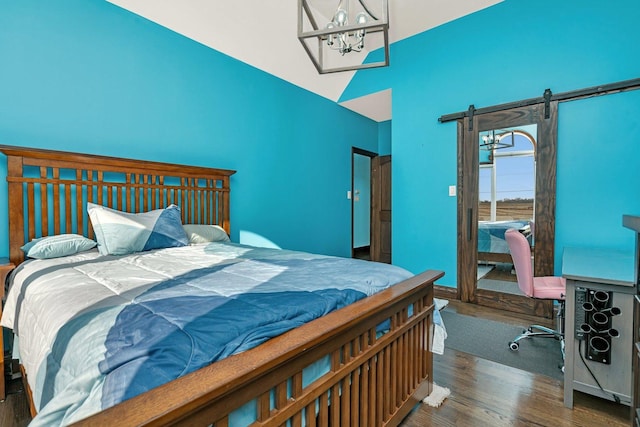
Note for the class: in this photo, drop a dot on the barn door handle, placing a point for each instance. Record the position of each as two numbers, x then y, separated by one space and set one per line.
469 212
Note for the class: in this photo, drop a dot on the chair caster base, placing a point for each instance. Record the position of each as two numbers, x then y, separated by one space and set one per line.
514 346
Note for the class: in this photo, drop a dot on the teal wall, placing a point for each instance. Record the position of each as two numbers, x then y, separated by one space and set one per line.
384 138
531 46
87 76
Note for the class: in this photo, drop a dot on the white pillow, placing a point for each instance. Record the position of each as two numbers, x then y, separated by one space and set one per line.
204 233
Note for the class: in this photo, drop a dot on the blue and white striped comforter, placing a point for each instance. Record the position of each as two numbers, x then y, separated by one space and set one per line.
96 330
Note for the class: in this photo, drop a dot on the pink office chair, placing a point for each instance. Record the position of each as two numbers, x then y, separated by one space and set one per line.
547 287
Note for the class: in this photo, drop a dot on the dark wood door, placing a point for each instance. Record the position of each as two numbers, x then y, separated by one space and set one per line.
381 209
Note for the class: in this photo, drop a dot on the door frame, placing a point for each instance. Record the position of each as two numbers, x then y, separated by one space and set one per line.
371 155
546 119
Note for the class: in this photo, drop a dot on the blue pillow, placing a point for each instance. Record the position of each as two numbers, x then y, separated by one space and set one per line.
57 246
121 233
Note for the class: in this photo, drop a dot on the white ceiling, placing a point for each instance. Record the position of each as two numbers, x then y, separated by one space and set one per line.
263 33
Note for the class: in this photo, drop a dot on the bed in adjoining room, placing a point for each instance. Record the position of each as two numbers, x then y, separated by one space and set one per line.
132 304
492 245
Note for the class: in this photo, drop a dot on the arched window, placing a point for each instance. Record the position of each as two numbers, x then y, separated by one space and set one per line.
507 174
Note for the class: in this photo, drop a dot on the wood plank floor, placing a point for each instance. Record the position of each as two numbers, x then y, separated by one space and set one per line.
483 393
14 411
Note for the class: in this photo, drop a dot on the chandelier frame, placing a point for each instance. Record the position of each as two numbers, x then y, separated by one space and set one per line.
316 51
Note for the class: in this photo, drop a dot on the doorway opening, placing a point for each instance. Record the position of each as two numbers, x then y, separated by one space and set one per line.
370 206
361 165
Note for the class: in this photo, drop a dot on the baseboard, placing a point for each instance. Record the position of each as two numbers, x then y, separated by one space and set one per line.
446 292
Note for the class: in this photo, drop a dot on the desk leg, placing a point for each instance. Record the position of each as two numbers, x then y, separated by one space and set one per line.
570 344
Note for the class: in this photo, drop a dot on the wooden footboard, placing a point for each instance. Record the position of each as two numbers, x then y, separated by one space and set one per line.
374 380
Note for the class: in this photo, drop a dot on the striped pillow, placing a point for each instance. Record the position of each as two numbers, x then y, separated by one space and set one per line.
120 233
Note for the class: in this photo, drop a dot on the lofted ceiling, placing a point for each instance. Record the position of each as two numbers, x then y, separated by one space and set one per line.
263 34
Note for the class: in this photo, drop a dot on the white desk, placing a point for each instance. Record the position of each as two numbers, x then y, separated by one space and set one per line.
599 265
611 272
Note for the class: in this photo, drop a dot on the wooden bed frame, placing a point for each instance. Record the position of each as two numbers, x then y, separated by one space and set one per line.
373 380
495 257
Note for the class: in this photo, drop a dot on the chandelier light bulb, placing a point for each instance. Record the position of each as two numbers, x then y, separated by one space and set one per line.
345 42
361 18
330 26
341 18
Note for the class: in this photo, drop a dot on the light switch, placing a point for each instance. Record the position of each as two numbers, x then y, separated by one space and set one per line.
452 190
349 194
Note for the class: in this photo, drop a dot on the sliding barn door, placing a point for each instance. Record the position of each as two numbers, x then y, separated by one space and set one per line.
468 184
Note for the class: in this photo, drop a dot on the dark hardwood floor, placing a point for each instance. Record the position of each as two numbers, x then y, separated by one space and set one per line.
502 271
483 393
14 411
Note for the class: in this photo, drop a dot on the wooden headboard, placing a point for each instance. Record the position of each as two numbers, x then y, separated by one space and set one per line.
49 190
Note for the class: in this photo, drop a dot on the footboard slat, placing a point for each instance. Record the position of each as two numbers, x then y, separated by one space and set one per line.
364 394
355 398
388 380
381 386
323 414
411 350
281 395
403 379
345 400
334 407
264 404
